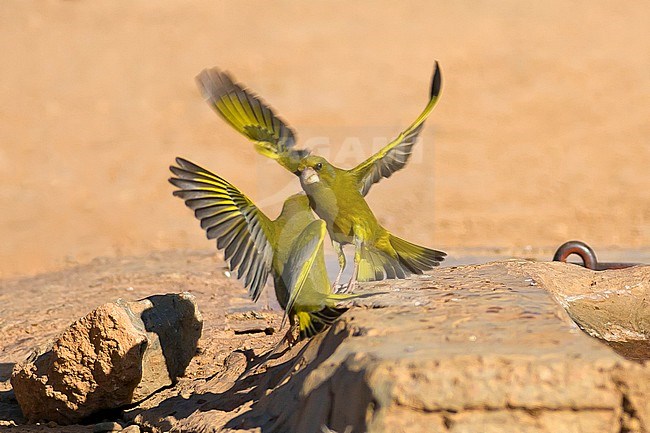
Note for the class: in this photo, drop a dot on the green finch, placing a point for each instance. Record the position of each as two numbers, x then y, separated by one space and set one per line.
335 194
290 248
378 254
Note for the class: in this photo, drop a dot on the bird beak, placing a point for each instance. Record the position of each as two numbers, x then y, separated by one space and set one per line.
309 176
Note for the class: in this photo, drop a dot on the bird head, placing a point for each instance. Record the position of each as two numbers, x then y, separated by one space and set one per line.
315 171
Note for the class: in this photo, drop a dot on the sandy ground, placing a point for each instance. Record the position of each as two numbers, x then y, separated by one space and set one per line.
541 134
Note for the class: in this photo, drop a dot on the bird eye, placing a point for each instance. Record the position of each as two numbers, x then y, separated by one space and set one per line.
318 166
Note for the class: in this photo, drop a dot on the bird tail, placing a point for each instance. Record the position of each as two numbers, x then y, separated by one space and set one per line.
376 265
404 259
312 322
416 258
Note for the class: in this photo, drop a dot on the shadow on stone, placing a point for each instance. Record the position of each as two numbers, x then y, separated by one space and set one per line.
9 409
174 318
215 402
5 370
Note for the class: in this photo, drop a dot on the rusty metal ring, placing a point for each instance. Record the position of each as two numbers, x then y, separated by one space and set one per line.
584 251
588 256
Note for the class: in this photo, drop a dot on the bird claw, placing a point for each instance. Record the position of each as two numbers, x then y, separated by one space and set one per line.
289 337
348 287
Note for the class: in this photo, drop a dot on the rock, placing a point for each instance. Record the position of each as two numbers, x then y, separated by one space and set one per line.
609 305
131 429
116 355
472 348
109 426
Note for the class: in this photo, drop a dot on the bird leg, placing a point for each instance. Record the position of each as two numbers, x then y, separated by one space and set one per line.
339 252
289 337
358 244
352 284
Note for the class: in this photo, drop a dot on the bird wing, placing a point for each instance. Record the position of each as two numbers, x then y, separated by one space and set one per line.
249 115
300 261
241 229
395 154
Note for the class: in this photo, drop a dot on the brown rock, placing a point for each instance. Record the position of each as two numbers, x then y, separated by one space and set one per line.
610 305
118 354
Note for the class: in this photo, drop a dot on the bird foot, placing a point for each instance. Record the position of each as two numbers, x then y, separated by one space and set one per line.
349 287
340 288
289 337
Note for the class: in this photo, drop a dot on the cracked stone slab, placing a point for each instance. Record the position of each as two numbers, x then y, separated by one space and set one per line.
484 347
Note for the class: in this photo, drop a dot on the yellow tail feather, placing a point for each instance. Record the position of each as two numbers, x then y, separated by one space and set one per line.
415 257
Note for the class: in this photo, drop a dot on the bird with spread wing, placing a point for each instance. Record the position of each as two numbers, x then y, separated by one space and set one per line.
290 248
336 195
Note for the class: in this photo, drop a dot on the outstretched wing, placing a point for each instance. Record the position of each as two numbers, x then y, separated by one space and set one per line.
395 154
300 261
227 215
245 112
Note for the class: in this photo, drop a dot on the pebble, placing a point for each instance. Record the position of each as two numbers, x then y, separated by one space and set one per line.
131 429
110 426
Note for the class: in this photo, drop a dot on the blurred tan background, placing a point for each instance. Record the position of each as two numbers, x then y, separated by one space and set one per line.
542 133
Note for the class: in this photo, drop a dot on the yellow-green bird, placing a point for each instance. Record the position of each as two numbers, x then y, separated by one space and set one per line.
335 194
290 248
